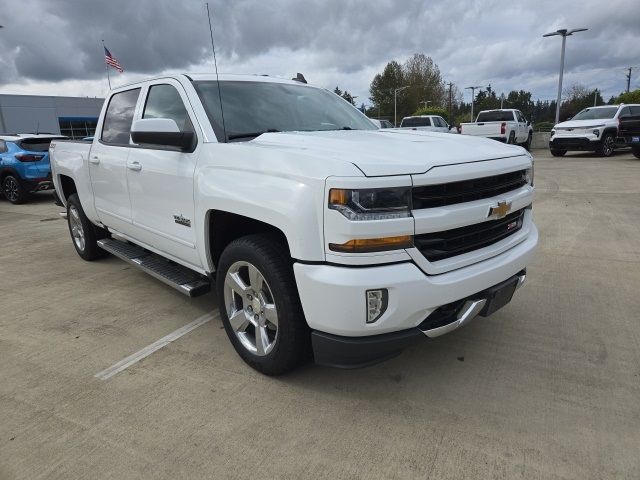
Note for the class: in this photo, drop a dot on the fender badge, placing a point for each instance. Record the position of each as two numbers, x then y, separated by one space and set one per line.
180 220
501 210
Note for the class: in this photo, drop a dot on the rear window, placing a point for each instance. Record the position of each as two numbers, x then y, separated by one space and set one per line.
495 116
416 122
36 144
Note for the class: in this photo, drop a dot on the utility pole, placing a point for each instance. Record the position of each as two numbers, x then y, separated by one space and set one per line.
450 103
501 100
595 97
629 78
473 97
564 33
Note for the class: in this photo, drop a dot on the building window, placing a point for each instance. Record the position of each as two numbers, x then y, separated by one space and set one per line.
78 127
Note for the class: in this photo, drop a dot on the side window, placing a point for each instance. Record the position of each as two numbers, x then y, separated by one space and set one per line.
624 111
635 111
119 116
439 122
3 146
164 101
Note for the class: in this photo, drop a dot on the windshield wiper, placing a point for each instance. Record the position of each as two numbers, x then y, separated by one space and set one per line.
252 134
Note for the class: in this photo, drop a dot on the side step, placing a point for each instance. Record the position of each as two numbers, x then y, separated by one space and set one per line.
181 278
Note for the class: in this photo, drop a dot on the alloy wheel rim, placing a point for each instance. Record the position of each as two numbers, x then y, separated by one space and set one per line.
608 145
251 308
11 189
77 232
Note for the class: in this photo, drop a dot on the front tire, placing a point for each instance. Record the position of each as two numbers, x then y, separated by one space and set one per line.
260 306
85 235
558 153
13 190
607 145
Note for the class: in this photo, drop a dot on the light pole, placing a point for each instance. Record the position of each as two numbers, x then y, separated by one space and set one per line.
395 104
473 96
426 103
564 33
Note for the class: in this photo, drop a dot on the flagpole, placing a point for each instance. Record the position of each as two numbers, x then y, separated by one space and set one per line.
106 67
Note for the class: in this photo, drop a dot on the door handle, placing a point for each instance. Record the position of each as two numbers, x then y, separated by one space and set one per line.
135 166
94 159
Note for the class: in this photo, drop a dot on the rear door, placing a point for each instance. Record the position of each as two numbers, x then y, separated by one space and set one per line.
160 179
108 161
523 130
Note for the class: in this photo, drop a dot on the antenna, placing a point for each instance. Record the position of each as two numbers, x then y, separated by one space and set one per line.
215 62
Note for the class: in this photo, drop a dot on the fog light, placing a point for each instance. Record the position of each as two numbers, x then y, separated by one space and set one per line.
377 301
596 132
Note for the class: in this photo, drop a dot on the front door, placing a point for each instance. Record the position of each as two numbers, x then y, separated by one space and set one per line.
161 179
108 162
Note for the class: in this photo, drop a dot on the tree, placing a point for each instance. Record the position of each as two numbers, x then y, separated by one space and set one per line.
382 87
579 97
346 95
441 111
630 97
422 78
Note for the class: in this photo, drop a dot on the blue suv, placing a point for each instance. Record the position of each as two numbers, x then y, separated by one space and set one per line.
24 165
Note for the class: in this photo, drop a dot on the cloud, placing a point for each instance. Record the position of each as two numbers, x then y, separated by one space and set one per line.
56 47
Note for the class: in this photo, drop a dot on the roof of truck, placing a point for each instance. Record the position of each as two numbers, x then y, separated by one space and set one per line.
223 77
22 136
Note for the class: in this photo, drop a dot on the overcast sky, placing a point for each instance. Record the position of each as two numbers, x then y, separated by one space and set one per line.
52 47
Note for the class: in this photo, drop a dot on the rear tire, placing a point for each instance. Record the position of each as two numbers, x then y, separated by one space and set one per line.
512 138
607 145
84 234
527 144
13 190
558 153
636 152
255 272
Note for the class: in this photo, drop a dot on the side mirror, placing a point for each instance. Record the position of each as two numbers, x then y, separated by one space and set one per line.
161 132
528 123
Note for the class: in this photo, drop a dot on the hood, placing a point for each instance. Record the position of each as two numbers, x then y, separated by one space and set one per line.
583 123
389 152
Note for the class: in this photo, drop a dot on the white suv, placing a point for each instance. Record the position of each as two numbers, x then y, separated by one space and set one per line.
432 123
593 129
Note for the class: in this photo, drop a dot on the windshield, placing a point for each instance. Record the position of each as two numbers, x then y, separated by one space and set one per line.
495 116
251 108
416 122
595 113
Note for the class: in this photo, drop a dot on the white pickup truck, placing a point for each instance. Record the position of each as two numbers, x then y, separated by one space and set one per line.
322 234
506 125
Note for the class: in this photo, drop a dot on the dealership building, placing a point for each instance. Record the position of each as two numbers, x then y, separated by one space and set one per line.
75 117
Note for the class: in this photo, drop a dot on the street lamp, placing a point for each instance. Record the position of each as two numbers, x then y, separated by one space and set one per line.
564 33
395 104
473 96
426 103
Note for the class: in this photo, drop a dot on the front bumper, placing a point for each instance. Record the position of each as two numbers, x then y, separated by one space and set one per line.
354 352
585 143
333 297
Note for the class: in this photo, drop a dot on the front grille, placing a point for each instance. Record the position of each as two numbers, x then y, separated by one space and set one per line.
571 142
429 196
440 245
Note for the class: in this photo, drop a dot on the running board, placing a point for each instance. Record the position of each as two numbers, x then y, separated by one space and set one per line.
177 276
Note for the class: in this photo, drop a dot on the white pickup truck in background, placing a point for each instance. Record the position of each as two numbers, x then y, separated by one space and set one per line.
505 125
322 234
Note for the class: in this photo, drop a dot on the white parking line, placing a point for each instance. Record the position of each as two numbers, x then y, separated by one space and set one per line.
157 345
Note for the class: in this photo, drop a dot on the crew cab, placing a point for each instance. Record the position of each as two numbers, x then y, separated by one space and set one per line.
593 129
430 123
322 234
505 125
629 129
24 165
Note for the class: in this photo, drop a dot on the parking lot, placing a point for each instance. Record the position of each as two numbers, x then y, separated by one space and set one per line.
548 387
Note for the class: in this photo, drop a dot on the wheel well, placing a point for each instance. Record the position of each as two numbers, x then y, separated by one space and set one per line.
6 172
68 186
225 227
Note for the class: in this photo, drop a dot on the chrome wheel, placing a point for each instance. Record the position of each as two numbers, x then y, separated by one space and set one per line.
608 145
251 308
11 189
77 232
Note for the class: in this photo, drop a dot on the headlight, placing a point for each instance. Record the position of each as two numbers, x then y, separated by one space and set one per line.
528 175
553 132
371 203
596 132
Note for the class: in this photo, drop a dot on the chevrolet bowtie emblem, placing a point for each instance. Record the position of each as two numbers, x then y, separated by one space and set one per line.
501 210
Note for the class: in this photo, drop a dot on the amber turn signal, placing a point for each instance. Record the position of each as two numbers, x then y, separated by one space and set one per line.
366 245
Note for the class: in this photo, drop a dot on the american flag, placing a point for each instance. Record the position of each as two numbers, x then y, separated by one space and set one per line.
111 60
